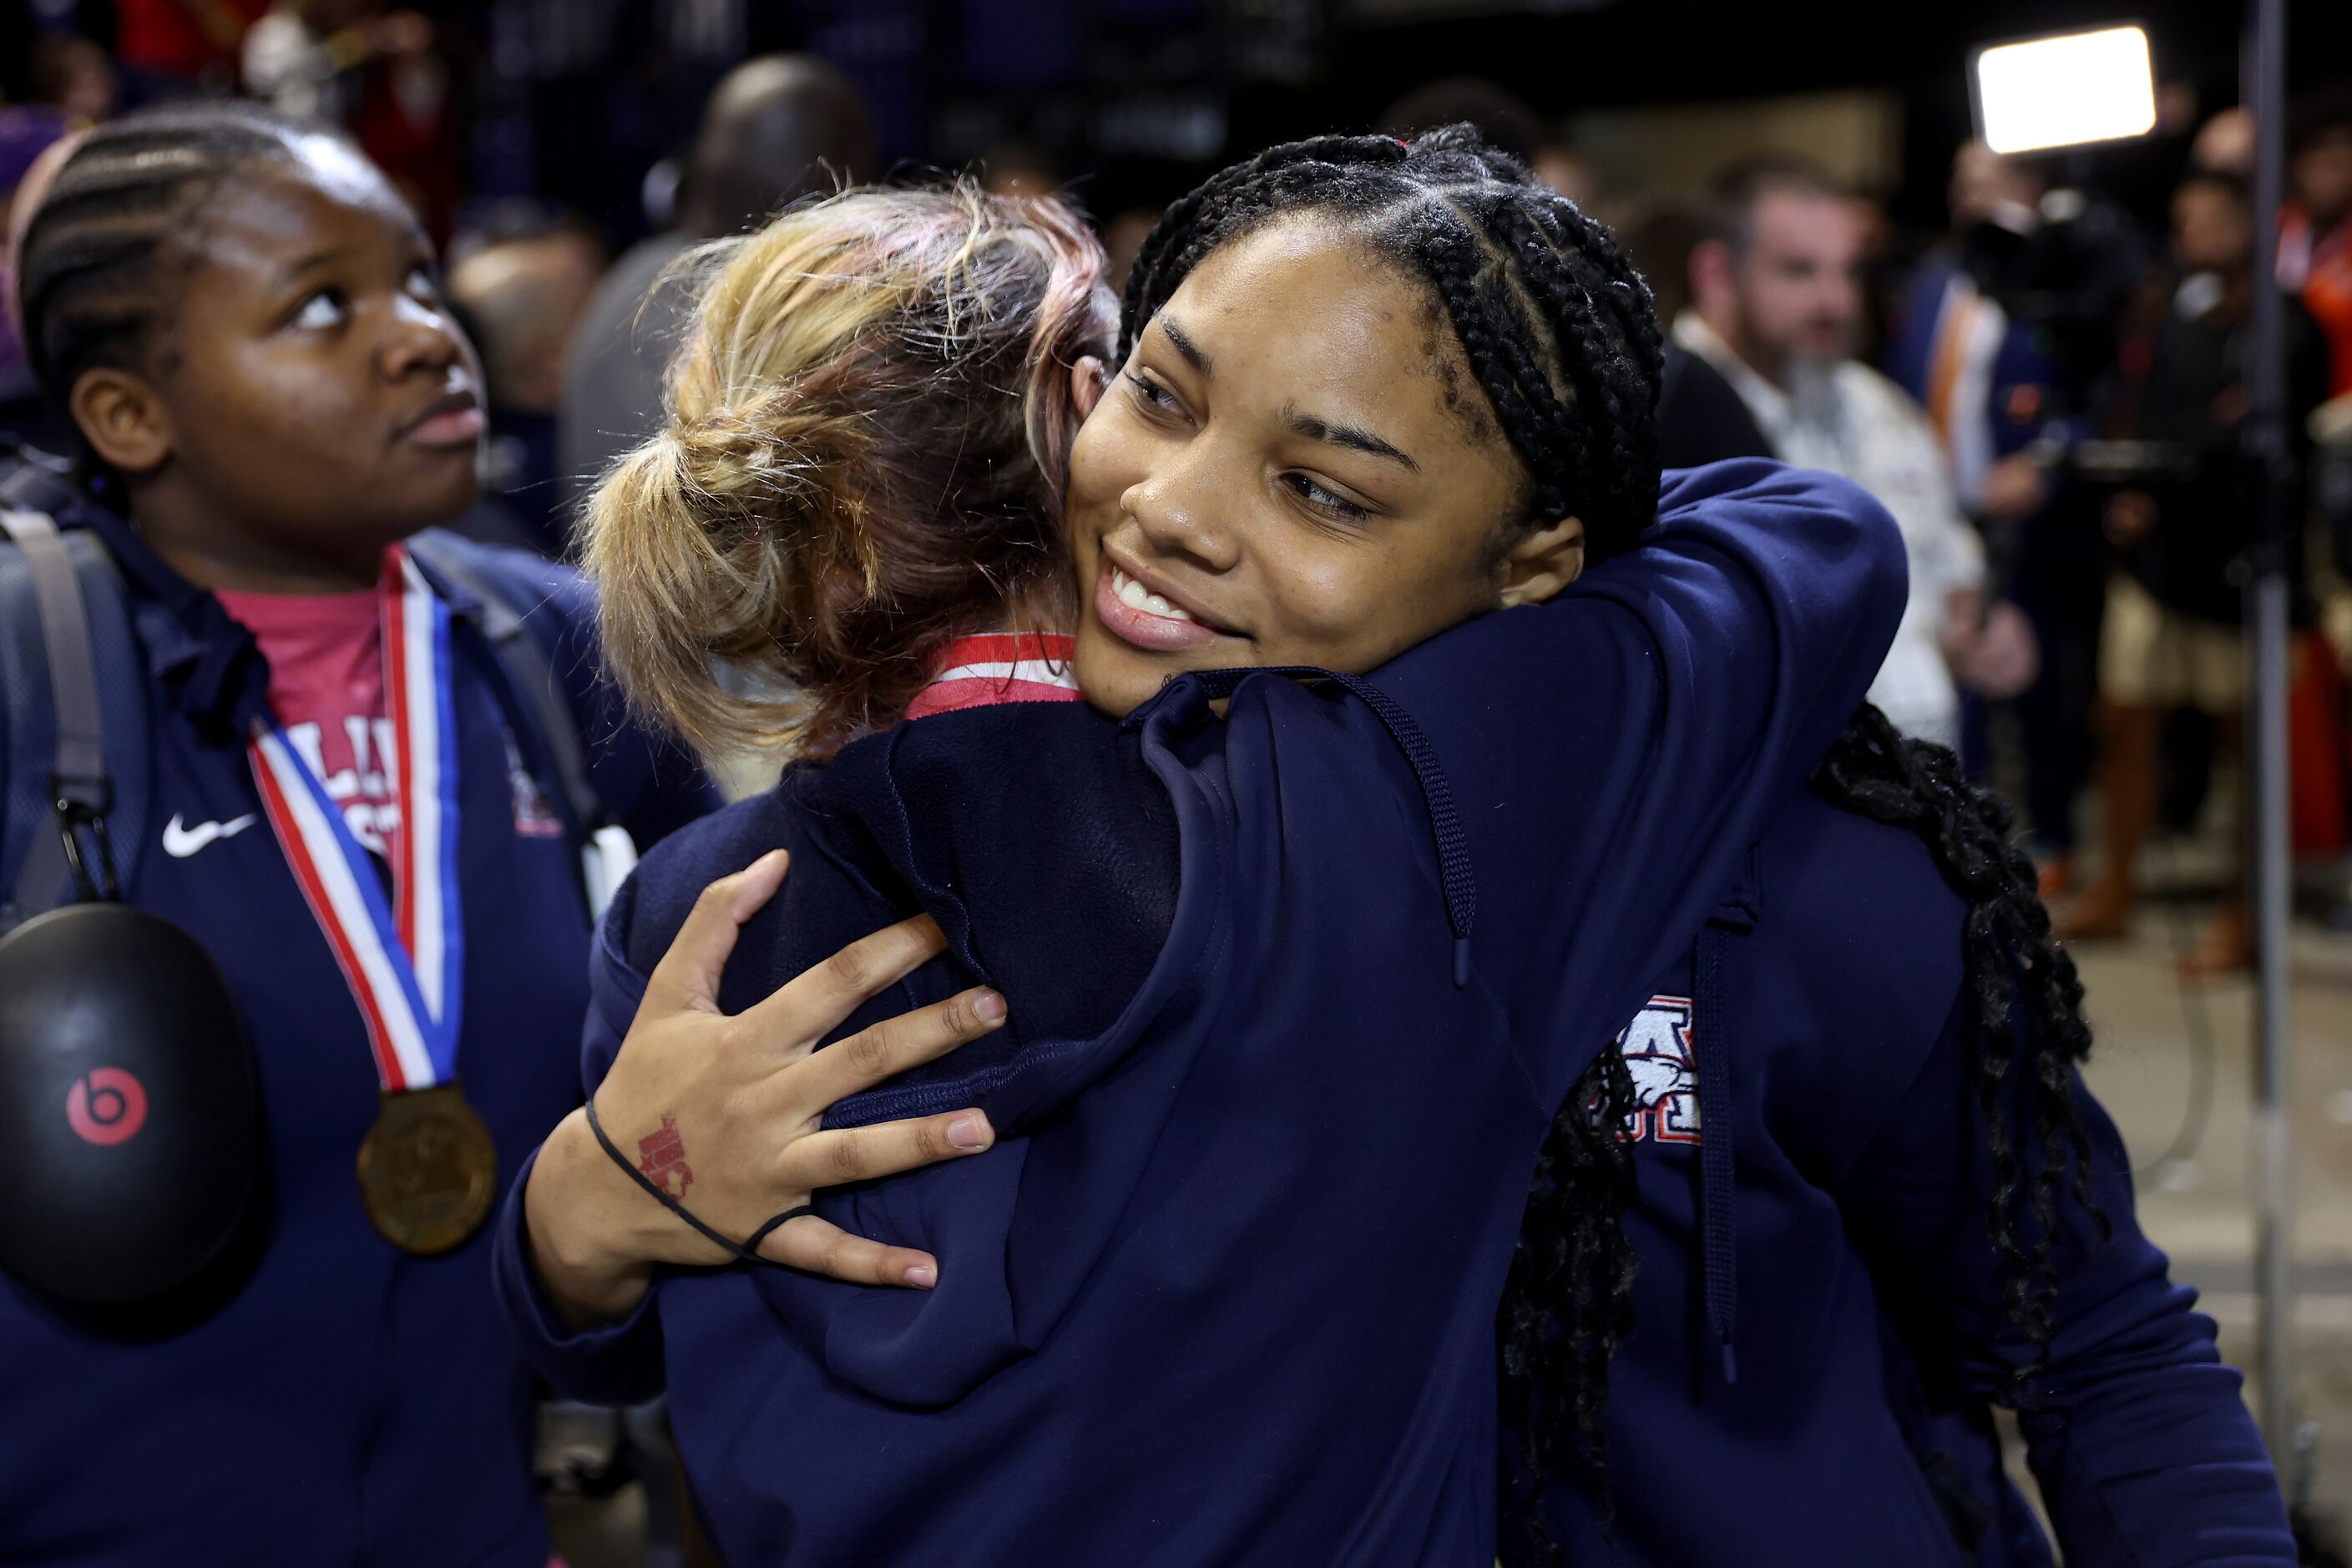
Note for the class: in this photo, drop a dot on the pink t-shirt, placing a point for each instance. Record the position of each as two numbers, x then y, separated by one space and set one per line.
326 686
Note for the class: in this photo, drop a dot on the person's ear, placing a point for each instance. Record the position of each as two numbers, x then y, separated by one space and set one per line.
124 420
1542 562
1089 377
1710 270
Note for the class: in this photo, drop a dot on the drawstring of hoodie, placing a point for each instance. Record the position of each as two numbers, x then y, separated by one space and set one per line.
1436 795
1718 1228
1711 1050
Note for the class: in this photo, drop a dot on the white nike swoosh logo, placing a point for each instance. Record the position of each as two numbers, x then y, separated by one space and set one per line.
180 842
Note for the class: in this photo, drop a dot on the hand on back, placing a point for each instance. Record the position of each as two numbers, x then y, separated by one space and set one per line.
725 1114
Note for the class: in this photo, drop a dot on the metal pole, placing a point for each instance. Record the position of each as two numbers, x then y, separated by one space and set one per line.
2267 448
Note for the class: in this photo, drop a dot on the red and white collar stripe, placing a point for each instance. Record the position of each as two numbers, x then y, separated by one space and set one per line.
1009 667
1039 659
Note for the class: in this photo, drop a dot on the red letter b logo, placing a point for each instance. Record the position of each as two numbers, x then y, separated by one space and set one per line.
108 1106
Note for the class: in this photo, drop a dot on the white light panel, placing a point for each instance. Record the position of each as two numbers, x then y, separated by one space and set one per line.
2064 91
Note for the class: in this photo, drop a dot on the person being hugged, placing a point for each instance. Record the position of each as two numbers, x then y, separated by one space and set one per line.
856 498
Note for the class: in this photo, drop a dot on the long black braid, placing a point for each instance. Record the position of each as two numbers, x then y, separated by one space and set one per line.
2012 968
1560 331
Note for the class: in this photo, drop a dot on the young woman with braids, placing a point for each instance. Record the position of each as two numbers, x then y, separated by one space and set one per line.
242 323
1225 1290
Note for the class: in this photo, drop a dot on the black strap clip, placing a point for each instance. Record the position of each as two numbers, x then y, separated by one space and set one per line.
82 805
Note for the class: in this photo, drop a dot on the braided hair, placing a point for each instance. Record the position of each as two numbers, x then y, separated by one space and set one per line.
1559 330
103 257
2012 970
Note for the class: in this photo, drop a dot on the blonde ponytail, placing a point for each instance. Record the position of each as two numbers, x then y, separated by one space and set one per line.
863 456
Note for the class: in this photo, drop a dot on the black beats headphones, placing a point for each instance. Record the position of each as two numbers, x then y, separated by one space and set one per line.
130 1107
128 1104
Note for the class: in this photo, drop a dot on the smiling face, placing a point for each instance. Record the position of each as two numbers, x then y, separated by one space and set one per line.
308 397
1296 467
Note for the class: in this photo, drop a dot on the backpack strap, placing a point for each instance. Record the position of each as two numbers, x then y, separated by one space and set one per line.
76 719
504 613
606 851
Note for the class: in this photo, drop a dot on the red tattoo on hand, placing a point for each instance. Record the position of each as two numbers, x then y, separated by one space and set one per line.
663 1155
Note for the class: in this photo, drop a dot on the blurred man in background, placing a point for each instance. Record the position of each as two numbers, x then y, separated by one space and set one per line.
1776 304
2174 635
522 300
75 77
1701 419
776 128
1995 397
1979 373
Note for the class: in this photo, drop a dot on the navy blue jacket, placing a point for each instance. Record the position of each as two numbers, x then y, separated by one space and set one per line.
1819 1022
351 1404
1224 1291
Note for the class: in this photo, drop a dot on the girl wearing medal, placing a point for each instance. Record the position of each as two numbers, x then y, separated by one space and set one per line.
244 323
1298 988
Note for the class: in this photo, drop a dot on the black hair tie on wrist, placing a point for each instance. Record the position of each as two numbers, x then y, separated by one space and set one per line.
748 1250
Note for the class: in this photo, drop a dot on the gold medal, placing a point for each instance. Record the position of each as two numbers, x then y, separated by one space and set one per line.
427 1170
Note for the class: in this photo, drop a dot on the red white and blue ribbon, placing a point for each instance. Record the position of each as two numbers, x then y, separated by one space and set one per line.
403 959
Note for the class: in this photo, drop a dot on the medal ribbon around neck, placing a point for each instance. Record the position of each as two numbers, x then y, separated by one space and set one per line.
404 960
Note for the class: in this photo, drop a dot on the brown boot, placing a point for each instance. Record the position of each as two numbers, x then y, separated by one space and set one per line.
2127 808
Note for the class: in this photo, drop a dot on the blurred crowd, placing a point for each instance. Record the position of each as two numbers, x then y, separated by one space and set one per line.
2052 397
2049 394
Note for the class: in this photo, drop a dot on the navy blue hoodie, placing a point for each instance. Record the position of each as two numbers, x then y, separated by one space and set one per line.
1813 1041
352 1404
1223 1291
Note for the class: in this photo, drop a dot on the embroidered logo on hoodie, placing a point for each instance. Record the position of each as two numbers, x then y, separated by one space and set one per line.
533 817
1657 1047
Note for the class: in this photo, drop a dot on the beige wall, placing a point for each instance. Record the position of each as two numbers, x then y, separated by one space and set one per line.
1856 135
